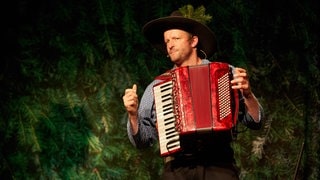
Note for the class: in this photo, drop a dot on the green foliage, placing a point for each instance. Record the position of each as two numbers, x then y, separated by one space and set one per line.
196 14
66 66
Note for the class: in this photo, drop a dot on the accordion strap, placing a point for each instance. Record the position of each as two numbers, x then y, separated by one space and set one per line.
164 77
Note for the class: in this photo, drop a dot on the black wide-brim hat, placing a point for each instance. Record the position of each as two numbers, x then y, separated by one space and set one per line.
153 31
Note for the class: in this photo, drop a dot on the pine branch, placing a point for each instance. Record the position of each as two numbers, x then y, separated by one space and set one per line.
197 14
260 142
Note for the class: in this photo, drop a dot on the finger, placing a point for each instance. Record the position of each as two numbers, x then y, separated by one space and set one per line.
127 91
237 80
237 86
240 69
130 101
239 77
134 87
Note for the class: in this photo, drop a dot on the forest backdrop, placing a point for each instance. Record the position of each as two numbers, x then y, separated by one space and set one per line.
65 66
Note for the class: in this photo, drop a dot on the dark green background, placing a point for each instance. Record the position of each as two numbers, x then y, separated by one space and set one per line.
65 65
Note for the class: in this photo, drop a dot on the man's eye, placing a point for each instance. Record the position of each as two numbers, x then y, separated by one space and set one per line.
172 39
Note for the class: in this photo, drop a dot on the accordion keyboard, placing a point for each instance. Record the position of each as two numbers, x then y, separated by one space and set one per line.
169 139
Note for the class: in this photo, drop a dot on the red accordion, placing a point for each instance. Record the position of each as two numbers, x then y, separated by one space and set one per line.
194 99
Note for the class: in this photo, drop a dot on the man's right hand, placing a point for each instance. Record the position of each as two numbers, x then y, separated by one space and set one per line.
131 103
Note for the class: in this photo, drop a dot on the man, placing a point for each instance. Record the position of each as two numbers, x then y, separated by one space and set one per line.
187 43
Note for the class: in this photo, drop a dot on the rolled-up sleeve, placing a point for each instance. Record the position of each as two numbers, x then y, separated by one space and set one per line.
245 118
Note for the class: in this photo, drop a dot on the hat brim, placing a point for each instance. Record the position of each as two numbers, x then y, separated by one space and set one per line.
153 31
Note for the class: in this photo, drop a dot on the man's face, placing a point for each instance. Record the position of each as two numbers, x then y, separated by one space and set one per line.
180 45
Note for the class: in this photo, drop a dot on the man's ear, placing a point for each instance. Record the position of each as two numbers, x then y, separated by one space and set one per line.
195 41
